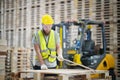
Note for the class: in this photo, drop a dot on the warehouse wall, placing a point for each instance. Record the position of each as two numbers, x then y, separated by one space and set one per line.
21 18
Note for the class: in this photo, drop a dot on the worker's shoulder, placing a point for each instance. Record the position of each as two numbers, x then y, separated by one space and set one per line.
36 33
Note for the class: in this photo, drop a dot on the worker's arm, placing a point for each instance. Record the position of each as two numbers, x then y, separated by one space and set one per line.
37 49
58 47
59 52
35 41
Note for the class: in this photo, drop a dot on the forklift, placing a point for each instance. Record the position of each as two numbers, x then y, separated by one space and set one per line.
83 52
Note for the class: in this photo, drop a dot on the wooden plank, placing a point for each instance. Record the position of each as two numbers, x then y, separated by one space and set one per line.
21 55
38 76
67 71
51 78
65 77
2 77
23 63
3 53
3 48
65 74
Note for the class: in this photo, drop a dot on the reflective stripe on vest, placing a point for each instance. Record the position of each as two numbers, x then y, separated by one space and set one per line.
48 51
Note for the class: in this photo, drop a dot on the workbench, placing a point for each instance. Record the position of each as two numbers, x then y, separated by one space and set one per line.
65 74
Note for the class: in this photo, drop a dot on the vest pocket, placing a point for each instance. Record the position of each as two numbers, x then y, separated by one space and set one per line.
52 56
44 55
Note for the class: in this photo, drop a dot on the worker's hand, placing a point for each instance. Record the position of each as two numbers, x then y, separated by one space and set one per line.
43 67
60 57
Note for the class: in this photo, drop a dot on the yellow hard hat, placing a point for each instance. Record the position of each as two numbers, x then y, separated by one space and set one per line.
89 26
47 19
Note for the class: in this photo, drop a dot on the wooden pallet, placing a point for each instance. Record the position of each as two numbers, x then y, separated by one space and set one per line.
67 74
22 56
2 67
20 60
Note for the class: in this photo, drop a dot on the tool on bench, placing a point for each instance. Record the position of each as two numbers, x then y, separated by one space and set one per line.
78 64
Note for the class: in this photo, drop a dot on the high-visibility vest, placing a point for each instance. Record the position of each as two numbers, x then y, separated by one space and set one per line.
48 49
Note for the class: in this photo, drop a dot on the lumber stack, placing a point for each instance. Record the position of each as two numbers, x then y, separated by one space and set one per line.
3 53
2 67
20 60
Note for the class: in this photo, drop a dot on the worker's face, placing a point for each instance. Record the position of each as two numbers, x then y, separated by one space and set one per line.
47 28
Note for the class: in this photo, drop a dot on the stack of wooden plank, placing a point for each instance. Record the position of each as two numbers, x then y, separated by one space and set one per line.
20 60
8 63
118 66
3 53
2 67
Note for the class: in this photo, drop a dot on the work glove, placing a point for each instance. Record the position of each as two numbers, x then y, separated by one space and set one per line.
43 67
60 57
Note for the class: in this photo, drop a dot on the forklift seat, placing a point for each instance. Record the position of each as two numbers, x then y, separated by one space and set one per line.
88 47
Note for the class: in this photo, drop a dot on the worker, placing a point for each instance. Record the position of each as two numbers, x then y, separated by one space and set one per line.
98 50
47 45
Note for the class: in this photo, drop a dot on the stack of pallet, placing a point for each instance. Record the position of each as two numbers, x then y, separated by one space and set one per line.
2 67
8 64
20 60
117 65
3 53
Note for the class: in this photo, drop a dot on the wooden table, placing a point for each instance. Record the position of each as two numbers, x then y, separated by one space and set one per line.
64 74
